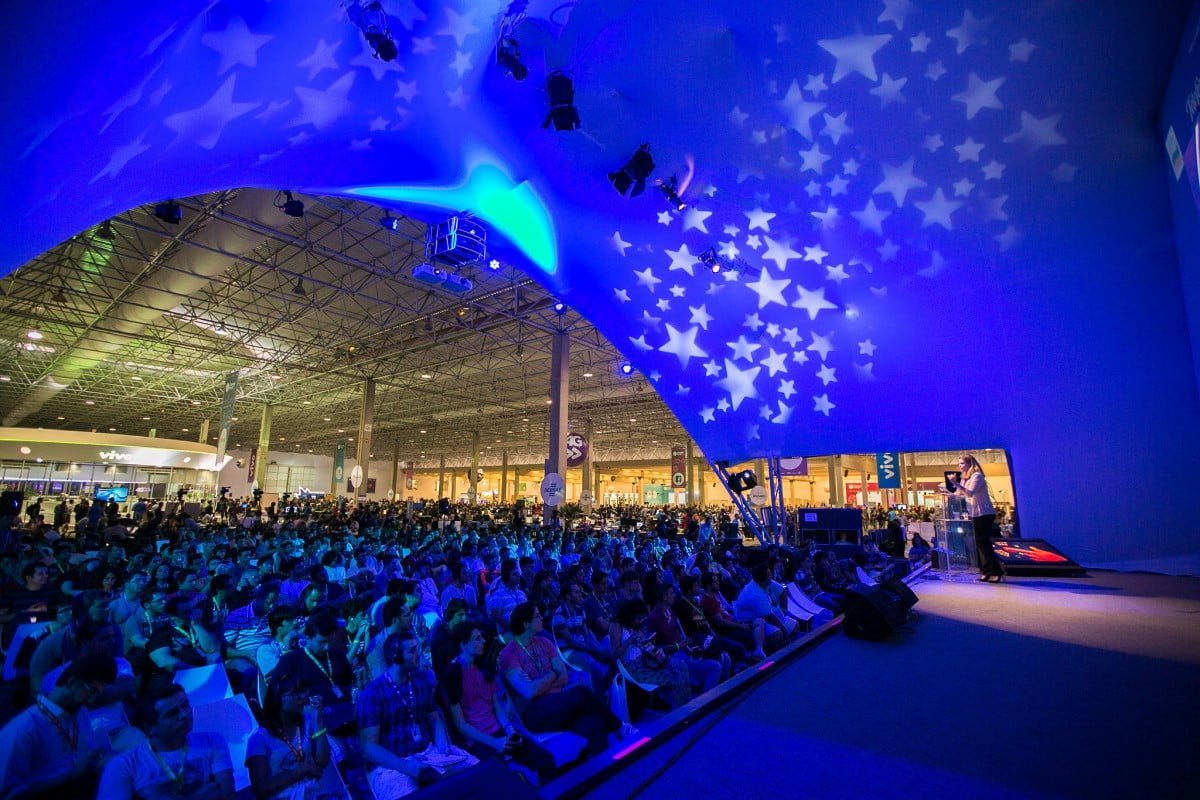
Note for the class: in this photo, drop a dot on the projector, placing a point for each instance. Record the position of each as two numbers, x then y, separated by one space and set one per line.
457 283
428 273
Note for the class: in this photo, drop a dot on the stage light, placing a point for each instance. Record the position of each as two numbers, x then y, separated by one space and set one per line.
626 368
670 191
169 212
289 205
388 222
370 18
743 481
298 289
494 265
508 56
105 231
561 88
710 259
630 180
560 308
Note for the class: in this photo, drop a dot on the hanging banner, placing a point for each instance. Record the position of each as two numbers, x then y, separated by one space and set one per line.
793 466
252 464
227 401
888 467
678 468
339 464
577 449
410 477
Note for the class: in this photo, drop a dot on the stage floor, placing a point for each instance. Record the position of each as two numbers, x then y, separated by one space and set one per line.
1038 687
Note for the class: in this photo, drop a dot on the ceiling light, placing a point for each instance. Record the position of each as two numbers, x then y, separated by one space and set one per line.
426 375
25 451
327 419
560 308
561 88
283 438
89 402
35 335
308 402
587 374
185 430
195 402
145 419
60 418
234 419
630 180
298 289
105 231
494 265
389 223
626 368
135 378
112 430
38 459
290 205
524 419
422 431
341 430
187 459
5 378
169 212
631 419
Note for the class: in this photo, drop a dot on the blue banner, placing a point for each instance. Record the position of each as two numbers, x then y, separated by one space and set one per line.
888 467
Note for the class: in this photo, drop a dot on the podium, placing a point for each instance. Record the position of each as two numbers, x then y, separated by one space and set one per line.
953 540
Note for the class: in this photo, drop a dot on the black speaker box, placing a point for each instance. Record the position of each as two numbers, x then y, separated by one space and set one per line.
908 598
875 612
488 778
10 504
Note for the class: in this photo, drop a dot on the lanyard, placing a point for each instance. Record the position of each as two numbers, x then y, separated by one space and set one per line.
70 734
326 670
188 634
177 777
296 749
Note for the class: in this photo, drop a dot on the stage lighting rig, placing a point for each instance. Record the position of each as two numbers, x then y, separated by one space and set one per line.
670 190
630 180
508 56
743 481
388 222
561 88
106 232
169 212
715 262
370 18
288 204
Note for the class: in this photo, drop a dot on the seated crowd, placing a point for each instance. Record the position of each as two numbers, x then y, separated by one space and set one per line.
377 652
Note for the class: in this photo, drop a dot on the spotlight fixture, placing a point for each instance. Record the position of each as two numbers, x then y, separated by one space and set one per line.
388 222
169 212
630 180
298 289
494 265
560 308
710 259
670 190
60 296
626 368
561 88
508 56
105 231
370 18
289 205
743 481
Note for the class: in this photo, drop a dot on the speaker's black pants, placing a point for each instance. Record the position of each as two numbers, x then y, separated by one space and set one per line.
988 564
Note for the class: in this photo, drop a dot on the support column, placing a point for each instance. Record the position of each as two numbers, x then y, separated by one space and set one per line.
690 471
560 359
396 472
516 482
702 482
453 485
837 484
264 446
366 424
585 484
504 478
597 486
862 488
473 476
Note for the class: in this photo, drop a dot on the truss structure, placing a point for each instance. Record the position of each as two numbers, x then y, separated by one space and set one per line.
136 336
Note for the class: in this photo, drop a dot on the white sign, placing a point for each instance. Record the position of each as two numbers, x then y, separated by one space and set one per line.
758 495
113 455
356 476
554 490
678 480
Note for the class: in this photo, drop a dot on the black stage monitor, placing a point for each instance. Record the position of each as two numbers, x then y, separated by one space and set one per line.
1033 557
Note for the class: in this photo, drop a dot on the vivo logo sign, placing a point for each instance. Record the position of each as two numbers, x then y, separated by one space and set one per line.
113 455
